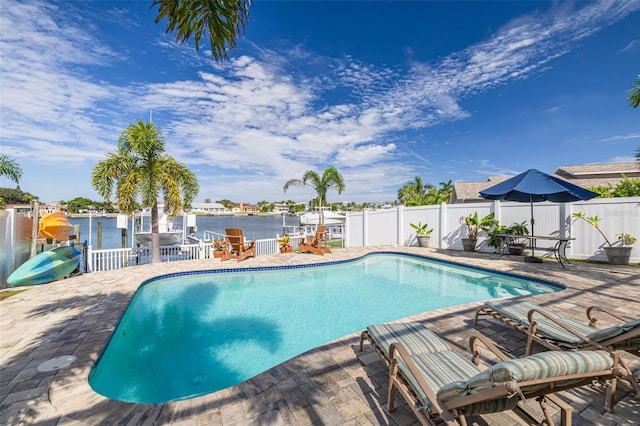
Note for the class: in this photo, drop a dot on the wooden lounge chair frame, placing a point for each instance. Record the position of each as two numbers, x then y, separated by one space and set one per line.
317 243
450 411
534 316
235 246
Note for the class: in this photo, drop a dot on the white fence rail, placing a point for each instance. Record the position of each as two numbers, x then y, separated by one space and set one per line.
392 226
105 260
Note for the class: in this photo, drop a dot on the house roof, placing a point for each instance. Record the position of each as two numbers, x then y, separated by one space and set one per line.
590 171
466 192
585 176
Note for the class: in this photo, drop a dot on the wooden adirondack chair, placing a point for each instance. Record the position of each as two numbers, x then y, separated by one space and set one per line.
317 243
236 247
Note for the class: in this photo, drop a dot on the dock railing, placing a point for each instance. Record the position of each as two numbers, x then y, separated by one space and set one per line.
108 259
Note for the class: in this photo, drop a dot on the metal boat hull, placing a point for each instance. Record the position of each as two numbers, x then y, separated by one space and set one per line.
48 266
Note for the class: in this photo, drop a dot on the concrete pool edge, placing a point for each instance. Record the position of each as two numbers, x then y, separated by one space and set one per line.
67 395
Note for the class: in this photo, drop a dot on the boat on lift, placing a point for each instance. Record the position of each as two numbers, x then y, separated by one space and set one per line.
330 218
168 236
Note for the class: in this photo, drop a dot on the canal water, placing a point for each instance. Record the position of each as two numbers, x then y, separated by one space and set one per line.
253 227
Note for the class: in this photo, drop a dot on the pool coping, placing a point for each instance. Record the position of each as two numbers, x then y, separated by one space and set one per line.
84 331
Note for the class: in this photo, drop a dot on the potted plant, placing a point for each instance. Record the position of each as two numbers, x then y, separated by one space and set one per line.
423 233
616 255
285 244
517 246
493 240
474 226
218 246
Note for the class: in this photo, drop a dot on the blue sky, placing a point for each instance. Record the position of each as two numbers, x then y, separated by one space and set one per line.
384 91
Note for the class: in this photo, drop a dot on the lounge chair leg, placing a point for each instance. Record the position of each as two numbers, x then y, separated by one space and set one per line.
362 340
475 320
630 378
610 395
566 411
393 371
545 410
530 335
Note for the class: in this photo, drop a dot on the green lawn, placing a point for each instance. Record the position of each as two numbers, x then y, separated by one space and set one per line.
9 293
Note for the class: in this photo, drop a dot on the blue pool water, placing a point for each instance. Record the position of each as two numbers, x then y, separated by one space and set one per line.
193 334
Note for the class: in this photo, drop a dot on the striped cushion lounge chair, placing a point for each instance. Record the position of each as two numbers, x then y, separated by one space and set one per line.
442 385
557 332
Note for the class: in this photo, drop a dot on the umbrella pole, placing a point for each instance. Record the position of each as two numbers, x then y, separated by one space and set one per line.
532 258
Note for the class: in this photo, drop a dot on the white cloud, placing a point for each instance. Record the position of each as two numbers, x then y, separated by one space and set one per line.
255 119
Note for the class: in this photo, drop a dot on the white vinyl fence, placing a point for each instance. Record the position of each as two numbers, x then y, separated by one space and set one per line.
392 226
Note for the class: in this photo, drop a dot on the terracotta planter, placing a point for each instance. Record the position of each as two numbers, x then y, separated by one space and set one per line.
618 255
423 240
468 244
287 249
217 253
517 249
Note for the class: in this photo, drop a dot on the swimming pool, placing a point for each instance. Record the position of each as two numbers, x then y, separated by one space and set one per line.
191 334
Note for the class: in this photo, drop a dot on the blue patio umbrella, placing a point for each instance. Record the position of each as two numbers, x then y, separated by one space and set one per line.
535 186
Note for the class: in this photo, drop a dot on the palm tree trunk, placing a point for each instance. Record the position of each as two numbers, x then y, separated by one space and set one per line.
155 237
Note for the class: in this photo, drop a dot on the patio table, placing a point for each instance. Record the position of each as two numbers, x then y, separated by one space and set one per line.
559 249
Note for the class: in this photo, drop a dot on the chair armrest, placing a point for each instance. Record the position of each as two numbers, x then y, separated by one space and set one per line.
396 350
581 336
593 321
473 346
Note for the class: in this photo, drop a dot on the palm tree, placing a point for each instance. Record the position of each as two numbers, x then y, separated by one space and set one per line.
10 169
634 100
634 94
412 193
446 188
141 167
331 179
223 20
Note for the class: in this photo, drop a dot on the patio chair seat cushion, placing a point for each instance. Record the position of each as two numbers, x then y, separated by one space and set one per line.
438 369
544 365
518 310
415 337
603 334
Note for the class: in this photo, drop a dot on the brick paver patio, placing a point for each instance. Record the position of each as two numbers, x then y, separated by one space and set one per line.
334 384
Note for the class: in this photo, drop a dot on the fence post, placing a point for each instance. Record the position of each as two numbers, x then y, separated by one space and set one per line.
345 233
400 224
365 225
442 224
497 211
566 210
89 259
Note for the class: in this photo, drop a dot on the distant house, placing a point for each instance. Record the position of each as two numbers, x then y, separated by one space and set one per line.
207 208
43 208
598 174
469 192
244 208
584 176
